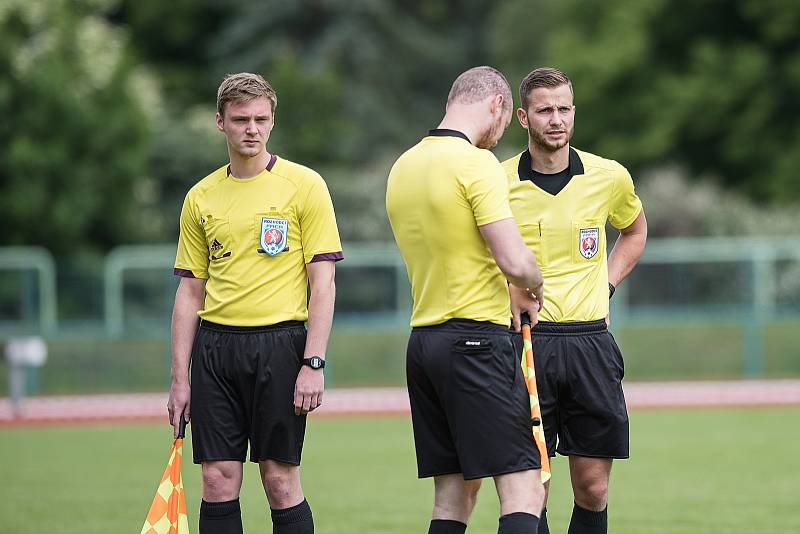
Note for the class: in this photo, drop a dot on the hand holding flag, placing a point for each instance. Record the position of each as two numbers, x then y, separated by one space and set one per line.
167 514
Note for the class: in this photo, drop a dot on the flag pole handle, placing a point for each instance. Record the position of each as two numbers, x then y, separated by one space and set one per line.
525 319
182 427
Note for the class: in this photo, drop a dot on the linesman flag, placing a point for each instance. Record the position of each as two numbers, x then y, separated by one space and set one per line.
167 514
533 393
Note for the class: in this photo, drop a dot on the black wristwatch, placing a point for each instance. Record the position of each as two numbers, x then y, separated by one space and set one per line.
315 362
611 289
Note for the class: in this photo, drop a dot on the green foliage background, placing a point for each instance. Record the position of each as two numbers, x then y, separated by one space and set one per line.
108 104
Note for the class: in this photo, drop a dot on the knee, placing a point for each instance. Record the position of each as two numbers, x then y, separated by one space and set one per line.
456 503
591 494
282 487
221 482
471 488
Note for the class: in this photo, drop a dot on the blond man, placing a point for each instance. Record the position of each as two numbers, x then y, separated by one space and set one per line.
254 235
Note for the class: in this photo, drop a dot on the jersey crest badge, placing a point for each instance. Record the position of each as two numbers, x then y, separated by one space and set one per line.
274 235
588 242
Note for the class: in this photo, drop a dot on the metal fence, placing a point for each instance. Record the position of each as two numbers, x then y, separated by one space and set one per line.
730 307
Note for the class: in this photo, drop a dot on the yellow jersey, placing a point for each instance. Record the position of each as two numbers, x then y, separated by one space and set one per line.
566 230
252 238
438 193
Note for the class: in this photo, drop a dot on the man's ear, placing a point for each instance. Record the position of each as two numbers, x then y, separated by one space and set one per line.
522 117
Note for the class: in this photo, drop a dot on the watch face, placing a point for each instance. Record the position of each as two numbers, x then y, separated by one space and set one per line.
316 362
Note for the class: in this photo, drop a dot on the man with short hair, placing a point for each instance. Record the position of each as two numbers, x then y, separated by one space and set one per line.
254 234
447 201
562 199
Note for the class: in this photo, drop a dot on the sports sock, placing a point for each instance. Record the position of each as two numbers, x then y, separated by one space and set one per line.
518 523
587 522
220 517
446 526
294 520
544 528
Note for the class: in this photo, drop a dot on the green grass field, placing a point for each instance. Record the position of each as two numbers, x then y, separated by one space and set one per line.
691 472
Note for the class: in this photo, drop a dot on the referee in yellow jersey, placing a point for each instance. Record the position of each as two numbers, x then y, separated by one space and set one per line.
447 200
254 234
562 199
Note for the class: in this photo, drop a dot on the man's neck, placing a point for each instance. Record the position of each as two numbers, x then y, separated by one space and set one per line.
469 119
244 167
548 162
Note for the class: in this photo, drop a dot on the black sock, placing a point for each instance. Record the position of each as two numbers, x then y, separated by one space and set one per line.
220 517
294 520
446 526
544 528
587 522
518 523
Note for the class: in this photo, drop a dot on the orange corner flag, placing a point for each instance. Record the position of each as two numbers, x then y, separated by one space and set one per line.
533 393
167 514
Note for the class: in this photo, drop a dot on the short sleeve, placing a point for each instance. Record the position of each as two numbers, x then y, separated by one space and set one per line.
486 187
192 256
318 231
625 206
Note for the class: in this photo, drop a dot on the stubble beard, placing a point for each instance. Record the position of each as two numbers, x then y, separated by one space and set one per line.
542 143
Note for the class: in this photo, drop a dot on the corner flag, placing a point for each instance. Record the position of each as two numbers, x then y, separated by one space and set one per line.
167 514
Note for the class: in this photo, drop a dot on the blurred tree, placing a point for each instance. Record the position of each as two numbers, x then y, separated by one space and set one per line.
173 38
360 76
74 141
711 84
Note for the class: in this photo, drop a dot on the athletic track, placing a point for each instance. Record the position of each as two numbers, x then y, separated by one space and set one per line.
394 401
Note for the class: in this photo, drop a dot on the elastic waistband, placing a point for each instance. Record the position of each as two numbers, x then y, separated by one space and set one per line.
576 328
208 325
465 325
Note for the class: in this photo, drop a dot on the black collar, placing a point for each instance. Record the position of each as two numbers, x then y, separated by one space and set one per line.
526 172
444 132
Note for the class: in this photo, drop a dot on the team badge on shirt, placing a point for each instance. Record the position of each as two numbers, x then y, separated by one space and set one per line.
274 235
588 242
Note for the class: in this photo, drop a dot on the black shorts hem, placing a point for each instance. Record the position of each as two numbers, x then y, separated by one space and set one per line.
504 472
438 474
603 456
281 460
198 462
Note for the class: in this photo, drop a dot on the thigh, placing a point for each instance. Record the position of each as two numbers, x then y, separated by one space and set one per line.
489 405
594 416
219 415
277 433
427 366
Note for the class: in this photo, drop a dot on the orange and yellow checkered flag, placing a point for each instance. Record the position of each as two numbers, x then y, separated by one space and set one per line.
533 393
167 514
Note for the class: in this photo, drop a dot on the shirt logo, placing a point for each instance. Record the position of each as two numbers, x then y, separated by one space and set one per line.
274 235
588 242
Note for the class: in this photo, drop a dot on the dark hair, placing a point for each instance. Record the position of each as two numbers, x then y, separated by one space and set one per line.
541 77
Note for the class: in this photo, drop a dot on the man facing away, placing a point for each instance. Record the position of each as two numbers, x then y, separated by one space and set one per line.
254 234
447 201
562 199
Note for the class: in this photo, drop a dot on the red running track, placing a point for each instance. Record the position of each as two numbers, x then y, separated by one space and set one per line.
386 401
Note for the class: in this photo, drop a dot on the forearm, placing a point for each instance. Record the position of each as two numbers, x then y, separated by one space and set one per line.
184 326
626 253
320 318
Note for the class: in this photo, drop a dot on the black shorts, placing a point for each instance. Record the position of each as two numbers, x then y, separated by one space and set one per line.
469 404
243 382
579 371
